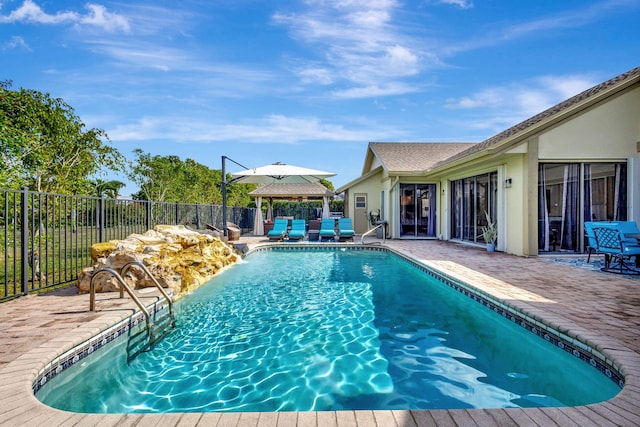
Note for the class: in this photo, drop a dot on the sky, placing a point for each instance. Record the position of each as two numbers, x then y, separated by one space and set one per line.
310 82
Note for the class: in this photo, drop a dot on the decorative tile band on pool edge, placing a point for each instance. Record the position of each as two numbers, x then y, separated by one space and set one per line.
78 353
578 349
572 346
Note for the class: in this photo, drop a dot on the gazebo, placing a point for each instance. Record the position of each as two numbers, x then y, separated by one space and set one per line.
273 179
283 191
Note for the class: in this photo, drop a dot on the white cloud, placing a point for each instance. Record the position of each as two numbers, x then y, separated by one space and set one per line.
32 13
567 86
373 91
503 106
401 61
269 129
356 44
98 16
141 55
315 75
545 25
530 97
369 18
14 43
580 16
463 4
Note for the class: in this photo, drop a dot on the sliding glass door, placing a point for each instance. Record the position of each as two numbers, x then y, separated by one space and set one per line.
471 199
570 194
417 210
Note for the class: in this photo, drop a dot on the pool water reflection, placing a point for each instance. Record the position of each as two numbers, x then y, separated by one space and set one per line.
331 329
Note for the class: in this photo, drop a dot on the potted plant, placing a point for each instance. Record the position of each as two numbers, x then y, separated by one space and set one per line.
490 233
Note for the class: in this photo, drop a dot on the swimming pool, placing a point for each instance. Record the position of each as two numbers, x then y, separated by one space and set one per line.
299 330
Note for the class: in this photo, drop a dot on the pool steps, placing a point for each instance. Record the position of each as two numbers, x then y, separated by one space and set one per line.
155 330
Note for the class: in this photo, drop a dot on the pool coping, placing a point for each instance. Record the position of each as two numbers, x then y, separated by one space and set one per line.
20 406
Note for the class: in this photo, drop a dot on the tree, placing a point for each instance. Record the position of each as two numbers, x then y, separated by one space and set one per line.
110 189
45 146
169 179
156 176
328 184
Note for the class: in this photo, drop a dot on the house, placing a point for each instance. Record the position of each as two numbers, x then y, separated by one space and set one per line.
539 180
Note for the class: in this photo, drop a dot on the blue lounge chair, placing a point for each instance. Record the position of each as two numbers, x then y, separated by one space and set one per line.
345 229
592 244
298 229
617 249
279 229
327 229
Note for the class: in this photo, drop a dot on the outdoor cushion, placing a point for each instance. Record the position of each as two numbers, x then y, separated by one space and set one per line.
345 228
327 228
279 229
298 229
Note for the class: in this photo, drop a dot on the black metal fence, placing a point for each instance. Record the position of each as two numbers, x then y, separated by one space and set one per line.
46 238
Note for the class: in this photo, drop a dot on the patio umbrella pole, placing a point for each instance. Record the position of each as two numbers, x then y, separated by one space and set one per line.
224 190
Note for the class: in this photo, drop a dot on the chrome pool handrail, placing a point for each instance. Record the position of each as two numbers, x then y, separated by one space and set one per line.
164 293
123 287
384 232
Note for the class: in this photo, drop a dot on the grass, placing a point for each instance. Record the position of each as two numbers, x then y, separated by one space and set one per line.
63 254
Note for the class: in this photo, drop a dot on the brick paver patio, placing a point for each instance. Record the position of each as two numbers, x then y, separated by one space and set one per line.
602 309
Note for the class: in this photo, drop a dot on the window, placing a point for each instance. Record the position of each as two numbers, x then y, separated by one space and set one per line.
470 199
361 202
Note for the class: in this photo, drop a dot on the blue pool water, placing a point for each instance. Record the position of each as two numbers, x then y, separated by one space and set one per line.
330 330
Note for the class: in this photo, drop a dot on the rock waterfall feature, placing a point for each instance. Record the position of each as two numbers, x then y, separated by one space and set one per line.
179 258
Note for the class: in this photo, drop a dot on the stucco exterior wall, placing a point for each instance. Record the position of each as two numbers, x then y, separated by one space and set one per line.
513 203
371 187
608 131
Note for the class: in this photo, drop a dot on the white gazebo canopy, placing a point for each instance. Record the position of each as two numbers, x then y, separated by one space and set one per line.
306 191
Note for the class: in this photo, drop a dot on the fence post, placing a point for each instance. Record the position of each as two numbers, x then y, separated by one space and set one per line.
24 240
177 208
147 208
197 218
101 220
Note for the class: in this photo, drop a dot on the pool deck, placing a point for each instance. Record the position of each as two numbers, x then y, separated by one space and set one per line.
600 308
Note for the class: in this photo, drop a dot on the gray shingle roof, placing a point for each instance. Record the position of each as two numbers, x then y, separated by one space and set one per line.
415 156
